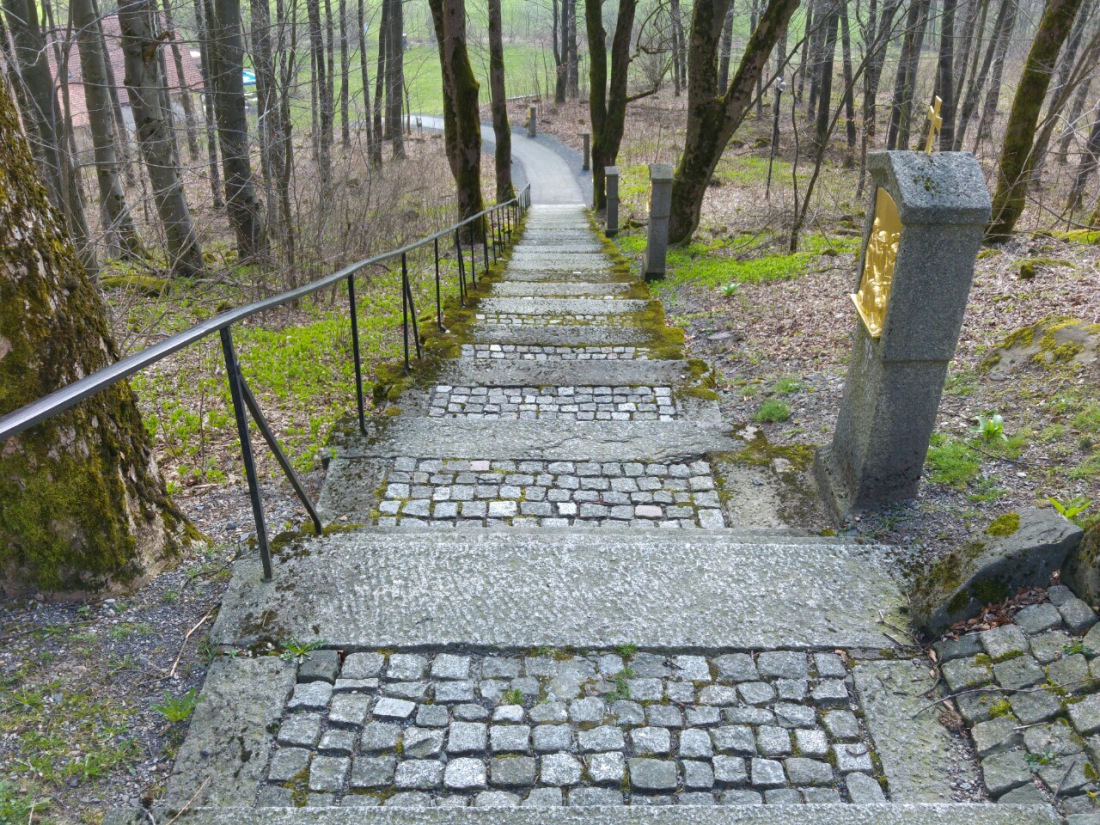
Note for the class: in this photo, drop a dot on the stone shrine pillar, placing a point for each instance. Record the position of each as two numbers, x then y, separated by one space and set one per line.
611 184
922 235
660 207
532 122
585 164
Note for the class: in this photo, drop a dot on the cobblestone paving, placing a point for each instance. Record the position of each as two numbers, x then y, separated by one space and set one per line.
526 352
510 319
549 493
1029 690
415 729
554 403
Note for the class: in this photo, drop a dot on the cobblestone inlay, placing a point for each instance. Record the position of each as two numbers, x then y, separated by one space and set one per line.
611 727
1030 691
561 403
465 492
528 352
510 319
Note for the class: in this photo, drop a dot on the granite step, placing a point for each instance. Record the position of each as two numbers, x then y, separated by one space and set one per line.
901 814
565 335
507 373
560 289
531 305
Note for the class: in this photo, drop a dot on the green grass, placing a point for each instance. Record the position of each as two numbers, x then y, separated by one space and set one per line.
951 462
772 411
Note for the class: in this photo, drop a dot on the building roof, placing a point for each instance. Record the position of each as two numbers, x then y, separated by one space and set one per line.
189 55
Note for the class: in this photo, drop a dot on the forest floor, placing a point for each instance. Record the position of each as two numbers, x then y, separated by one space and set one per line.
89 691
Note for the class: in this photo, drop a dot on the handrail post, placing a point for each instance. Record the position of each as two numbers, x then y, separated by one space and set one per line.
473 259
493 232
461 270
438 298
233 373
355 354
484 242
405 319
412 307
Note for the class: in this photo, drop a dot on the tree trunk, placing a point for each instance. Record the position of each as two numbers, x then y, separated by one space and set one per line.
144 86
461 124
1077 107
877 34
345 125
978 76
804 63
607 98
679 49
993 96
726 49
714 114
965 44
572 82
365 76
328 97
558 27
821 11
395 77
901 109
321 81
380 85
84 506
1086 166
244 208
849 87
1016 156
288 70
267 110
201 24
184 92
118 222
945 75
825 74
499 102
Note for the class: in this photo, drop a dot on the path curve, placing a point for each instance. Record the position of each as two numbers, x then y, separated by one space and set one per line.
551 179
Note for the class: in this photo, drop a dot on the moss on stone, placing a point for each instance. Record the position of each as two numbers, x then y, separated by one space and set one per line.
1004 525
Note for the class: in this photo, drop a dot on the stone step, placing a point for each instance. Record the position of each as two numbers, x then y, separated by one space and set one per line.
560 289
508 373
561 263
565 277
599 441
564 336
517 589
539 353
562 306
903 814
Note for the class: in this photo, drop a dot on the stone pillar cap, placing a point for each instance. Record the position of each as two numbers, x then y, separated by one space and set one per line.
660 171
941 188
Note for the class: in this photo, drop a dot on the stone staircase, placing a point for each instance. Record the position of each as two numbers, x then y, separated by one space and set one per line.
556 611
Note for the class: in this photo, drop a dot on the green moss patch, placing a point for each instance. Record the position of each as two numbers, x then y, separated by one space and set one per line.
1004 525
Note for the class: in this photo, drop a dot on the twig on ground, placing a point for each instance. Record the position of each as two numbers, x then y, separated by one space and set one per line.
175 664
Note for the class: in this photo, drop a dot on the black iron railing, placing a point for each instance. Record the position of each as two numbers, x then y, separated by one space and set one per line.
494 226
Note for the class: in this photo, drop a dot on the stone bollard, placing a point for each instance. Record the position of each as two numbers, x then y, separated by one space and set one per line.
532 120
611 179
586 163
660 206
923 233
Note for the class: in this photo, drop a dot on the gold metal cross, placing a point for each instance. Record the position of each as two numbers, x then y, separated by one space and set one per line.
934 124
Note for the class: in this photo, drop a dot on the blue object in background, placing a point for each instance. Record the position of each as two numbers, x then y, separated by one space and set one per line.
248 77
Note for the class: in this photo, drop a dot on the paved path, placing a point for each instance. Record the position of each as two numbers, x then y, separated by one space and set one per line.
558 598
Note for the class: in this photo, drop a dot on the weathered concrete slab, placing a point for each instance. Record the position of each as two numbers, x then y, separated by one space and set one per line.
562 306
224 758
575 289
511 373
563 336
564 441
915 749
673 815
520 588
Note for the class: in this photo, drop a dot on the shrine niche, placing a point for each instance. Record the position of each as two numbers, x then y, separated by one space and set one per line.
879 260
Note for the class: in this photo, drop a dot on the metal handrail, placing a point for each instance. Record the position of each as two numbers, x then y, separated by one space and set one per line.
244 401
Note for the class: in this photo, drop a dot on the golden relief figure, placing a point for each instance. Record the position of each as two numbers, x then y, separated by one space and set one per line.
878 266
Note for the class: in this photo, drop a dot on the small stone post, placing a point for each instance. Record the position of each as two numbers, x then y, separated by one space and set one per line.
586 164
532 121
660 206
923 232
611 181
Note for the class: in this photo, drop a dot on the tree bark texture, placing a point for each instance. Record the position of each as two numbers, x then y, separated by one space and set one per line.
945 75
714 114
202 25
993 96
144 86
1086 166
245 209
502 156
365 75
184 92
607 97
726 49
825 72
321 82
572 81
395 76
345 125
82 504
118 222
1016 155
461 124
380 87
